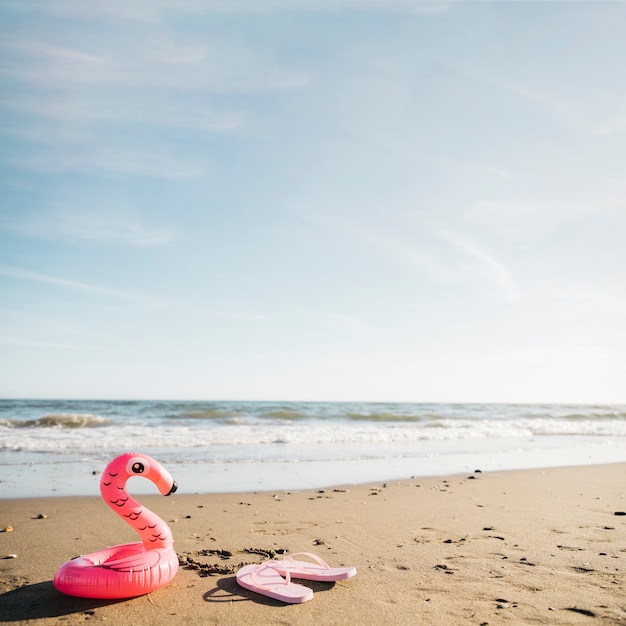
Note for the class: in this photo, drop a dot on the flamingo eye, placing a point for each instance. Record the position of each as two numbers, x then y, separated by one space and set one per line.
137 466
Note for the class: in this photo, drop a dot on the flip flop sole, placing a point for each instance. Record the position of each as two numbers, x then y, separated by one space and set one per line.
266 581
310 571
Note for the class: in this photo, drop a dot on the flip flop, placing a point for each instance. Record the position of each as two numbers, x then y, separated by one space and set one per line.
264 579
320 570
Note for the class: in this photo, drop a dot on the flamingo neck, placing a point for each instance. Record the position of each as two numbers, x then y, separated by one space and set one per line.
152 530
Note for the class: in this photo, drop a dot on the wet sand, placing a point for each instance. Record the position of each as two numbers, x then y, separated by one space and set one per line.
533 546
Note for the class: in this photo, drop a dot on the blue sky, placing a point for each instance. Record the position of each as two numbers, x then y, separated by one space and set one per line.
313 200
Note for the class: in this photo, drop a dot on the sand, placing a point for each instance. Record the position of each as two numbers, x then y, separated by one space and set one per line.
519 547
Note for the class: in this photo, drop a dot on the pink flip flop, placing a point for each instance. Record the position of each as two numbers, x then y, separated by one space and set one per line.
320 570
266 580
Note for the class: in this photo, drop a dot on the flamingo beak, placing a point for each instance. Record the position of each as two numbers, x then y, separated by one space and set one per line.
173 489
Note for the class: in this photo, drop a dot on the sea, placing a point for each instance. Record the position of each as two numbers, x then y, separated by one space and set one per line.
59 447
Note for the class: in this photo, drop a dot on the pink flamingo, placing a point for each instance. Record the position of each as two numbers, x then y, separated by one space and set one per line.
130 569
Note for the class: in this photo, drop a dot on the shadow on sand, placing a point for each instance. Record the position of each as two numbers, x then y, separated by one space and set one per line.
41 600
227 590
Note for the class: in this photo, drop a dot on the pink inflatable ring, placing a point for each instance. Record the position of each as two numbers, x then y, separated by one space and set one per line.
130 569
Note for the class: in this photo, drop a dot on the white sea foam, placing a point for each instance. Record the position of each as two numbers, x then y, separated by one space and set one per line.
77 437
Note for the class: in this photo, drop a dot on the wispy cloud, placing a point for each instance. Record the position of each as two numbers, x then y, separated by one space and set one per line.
131 296
135 297
106 218
594 113
420 249
349 321
215 65
485 264
100 158
340 322
608 297
155 10
38 48
110 228
408 250
591 111
91 107
562 109
37 343
500 172
88 342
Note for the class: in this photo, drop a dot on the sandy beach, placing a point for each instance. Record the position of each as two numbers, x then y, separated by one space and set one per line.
534 546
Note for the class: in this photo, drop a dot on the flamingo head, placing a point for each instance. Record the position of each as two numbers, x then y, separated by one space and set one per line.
137 464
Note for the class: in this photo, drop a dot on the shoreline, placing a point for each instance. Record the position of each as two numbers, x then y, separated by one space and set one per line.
516 546
60 476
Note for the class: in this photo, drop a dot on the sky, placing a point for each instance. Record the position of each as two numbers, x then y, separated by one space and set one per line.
337 200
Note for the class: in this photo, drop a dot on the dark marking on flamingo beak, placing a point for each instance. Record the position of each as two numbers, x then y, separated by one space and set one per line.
173 489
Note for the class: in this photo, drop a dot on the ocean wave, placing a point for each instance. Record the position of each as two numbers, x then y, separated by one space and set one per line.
192 427
389 417
599 415
72 432
58 420
205 414
179 412
284 414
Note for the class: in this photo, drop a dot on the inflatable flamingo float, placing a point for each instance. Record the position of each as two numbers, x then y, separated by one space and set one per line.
130 569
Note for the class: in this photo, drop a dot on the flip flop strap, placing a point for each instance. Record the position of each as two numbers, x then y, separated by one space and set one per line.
271 565
298 565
